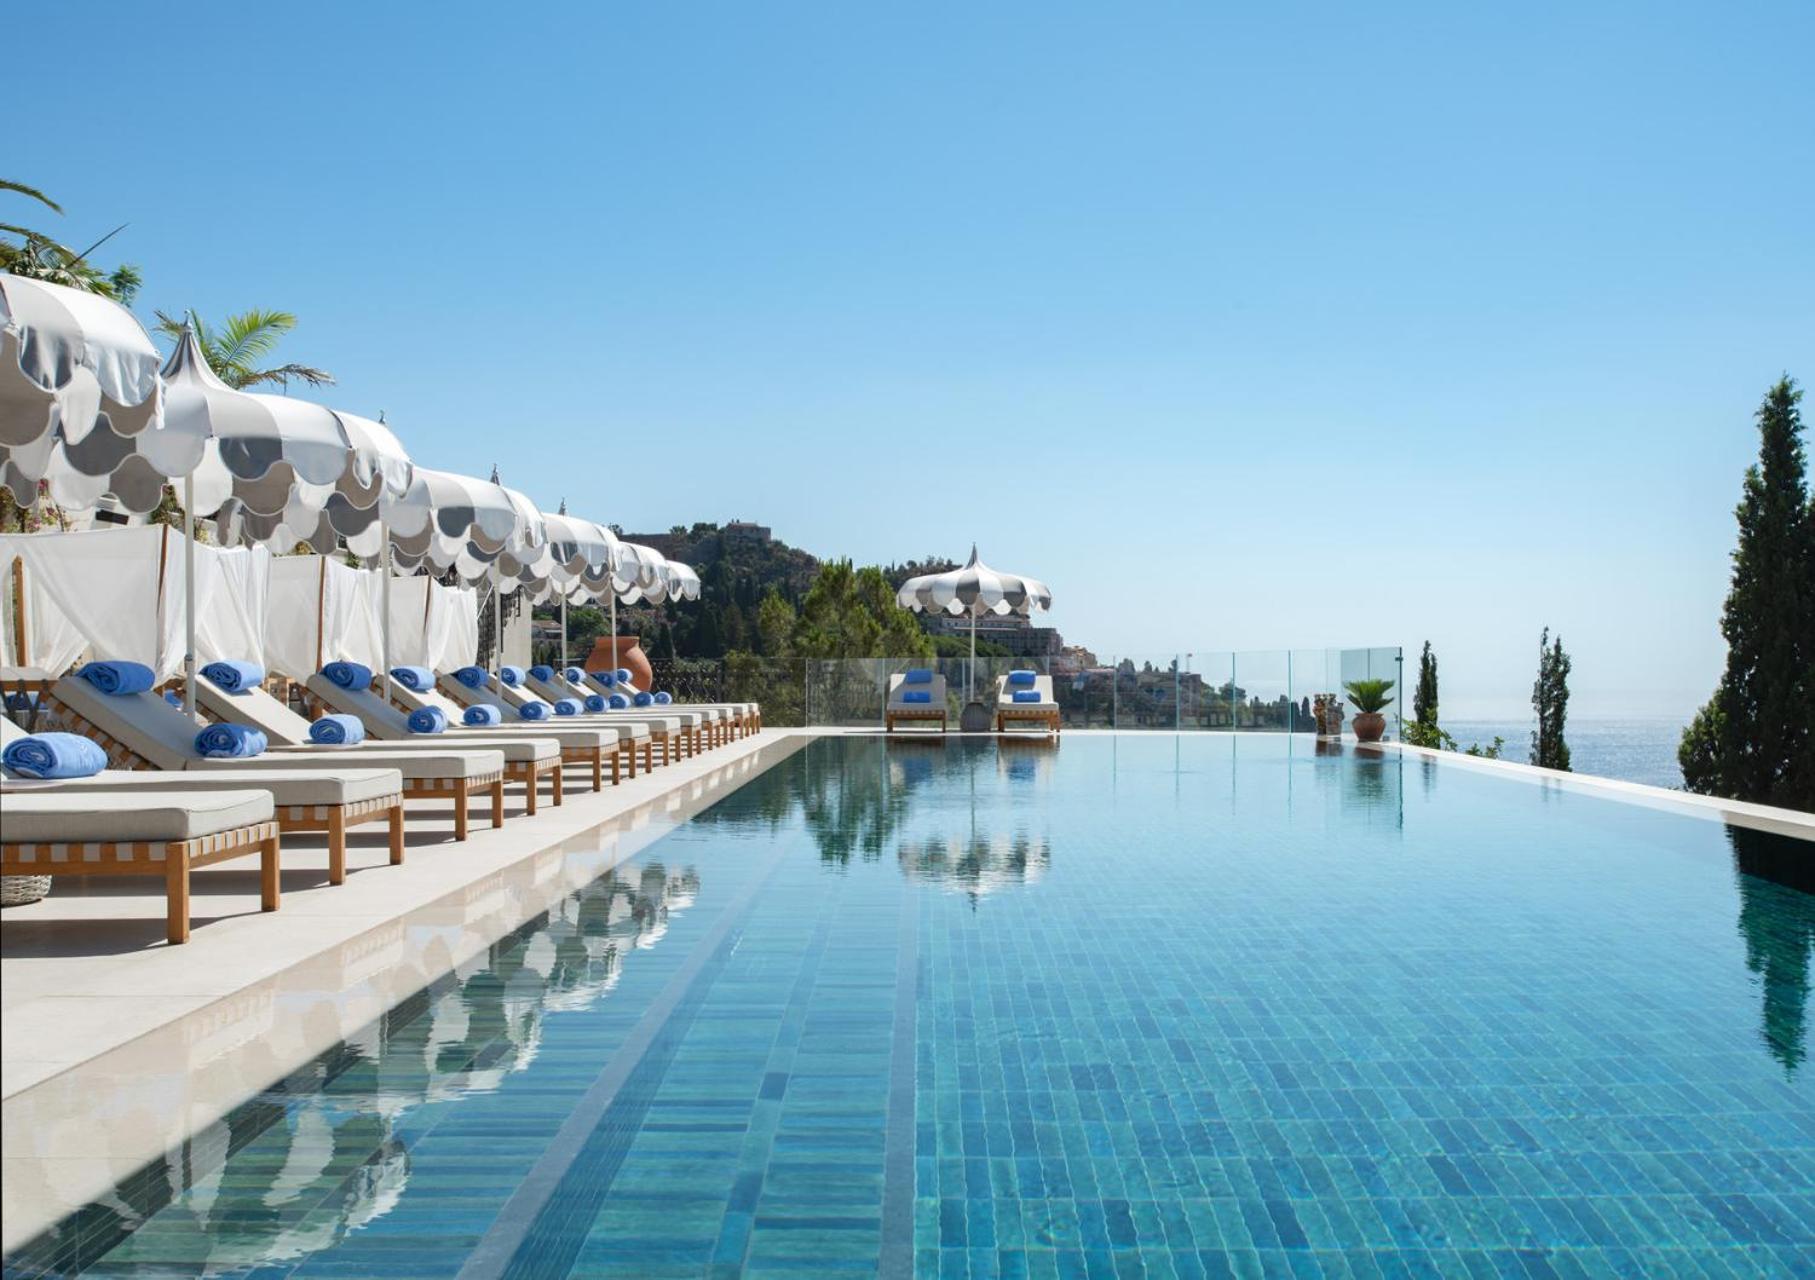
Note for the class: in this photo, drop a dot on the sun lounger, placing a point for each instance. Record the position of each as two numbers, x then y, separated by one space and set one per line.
430 769
686 729
526 759
911 699
593 744
142 731
1036 704
730 719
169 833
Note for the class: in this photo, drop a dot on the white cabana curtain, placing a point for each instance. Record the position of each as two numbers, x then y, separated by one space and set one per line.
52 642
121 592
321 611
431 625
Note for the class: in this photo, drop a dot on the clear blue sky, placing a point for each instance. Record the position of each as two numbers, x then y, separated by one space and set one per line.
1244 326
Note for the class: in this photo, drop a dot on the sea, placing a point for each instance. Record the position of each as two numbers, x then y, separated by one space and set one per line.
1633 750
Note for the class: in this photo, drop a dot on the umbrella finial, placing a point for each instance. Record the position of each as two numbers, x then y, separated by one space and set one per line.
562 509
495 479
973 559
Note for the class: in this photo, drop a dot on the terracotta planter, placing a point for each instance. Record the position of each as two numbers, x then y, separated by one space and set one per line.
1369 725
611 652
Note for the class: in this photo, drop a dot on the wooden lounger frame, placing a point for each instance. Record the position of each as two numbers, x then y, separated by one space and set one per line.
1047 714
174 859
331 818
891 714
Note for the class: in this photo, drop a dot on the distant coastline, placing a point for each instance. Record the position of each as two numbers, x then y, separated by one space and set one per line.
1632 749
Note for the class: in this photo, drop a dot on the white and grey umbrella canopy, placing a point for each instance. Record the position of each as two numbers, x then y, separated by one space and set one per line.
451 521
975 589
78 381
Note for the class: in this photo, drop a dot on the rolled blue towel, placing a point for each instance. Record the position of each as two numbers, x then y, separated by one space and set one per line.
664 699
416 679
482 717
575 675
427 720
917 695
619 702
55 755
644 699
1020 679
607 678
349 675
230 742
569 706
119 678
542 672
235 677
596 702
533 710
917 675
338 730
472 677
1027 695
623 674
21 700
512 676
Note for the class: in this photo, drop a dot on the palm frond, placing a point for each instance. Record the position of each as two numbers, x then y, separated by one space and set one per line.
250 335
284 372
7 184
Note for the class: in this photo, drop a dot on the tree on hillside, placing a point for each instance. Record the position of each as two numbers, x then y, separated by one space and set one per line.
235 349
851 613
1550 699
1755 738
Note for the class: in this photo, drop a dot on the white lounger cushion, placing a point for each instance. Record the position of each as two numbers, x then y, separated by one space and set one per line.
290 732
898 686
288 787
637 719
1005 696
121 817
563 730
386 721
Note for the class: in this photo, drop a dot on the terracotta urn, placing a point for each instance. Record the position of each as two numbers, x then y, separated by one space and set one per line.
611 652
1369 725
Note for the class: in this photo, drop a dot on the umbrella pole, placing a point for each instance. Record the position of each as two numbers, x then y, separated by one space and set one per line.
384 606
614 623
563 628
970 671
189 595
497 628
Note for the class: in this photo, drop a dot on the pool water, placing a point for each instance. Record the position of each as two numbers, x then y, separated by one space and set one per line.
1127 1006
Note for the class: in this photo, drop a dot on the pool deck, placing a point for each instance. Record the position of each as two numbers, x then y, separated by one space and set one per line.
108 1030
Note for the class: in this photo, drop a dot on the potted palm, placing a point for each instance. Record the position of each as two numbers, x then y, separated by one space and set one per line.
1371 697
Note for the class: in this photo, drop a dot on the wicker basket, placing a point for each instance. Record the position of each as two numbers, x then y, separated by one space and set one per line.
16 891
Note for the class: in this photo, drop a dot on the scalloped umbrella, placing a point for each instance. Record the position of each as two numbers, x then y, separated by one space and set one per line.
580 555
640 573
974 589
78 382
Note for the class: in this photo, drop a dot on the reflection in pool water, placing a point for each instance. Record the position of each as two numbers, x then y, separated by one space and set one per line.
1149 1007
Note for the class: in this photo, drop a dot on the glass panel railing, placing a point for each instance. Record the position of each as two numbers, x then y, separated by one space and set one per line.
1268 691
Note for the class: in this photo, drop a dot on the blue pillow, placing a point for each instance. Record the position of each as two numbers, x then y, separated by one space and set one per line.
1020 679
418 679
596 702
543 673
338 730
664 699
917 695
512 676
644 699
473 677
575 675
533 710
229 742
917 675
427 720
619 702
55 755
235 677
480 716
1027 695
349 675
568 707
119 678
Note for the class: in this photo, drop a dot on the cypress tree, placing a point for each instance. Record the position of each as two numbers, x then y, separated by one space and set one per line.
1424 697
1550 699
1754 739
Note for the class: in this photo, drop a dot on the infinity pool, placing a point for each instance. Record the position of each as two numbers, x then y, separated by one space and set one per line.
1121 1007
